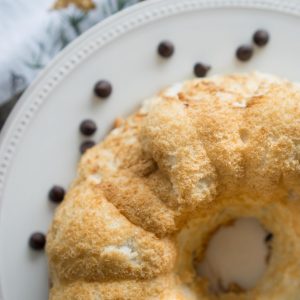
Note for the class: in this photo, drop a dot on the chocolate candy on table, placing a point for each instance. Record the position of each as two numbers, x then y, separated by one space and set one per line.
57 194
261 37
103 89
244 52
201 69
37 241
86 145
165 49
88 127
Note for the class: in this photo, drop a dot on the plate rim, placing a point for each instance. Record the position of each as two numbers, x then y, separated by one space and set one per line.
77 51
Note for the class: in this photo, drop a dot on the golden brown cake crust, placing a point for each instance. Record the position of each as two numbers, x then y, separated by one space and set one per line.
215 150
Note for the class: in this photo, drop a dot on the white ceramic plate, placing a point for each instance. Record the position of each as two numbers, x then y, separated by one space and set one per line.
39 145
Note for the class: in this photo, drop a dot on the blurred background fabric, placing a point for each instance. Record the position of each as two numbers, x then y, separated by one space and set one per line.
32 32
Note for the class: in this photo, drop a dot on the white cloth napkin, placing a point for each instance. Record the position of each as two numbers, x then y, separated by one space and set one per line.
32 34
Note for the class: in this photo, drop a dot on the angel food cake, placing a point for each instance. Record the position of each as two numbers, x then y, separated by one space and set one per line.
200 155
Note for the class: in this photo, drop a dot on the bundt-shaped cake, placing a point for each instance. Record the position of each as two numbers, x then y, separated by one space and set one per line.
146 199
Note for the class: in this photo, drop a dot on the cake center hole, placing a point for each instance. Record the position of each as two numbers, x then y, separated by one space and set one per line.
236 256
